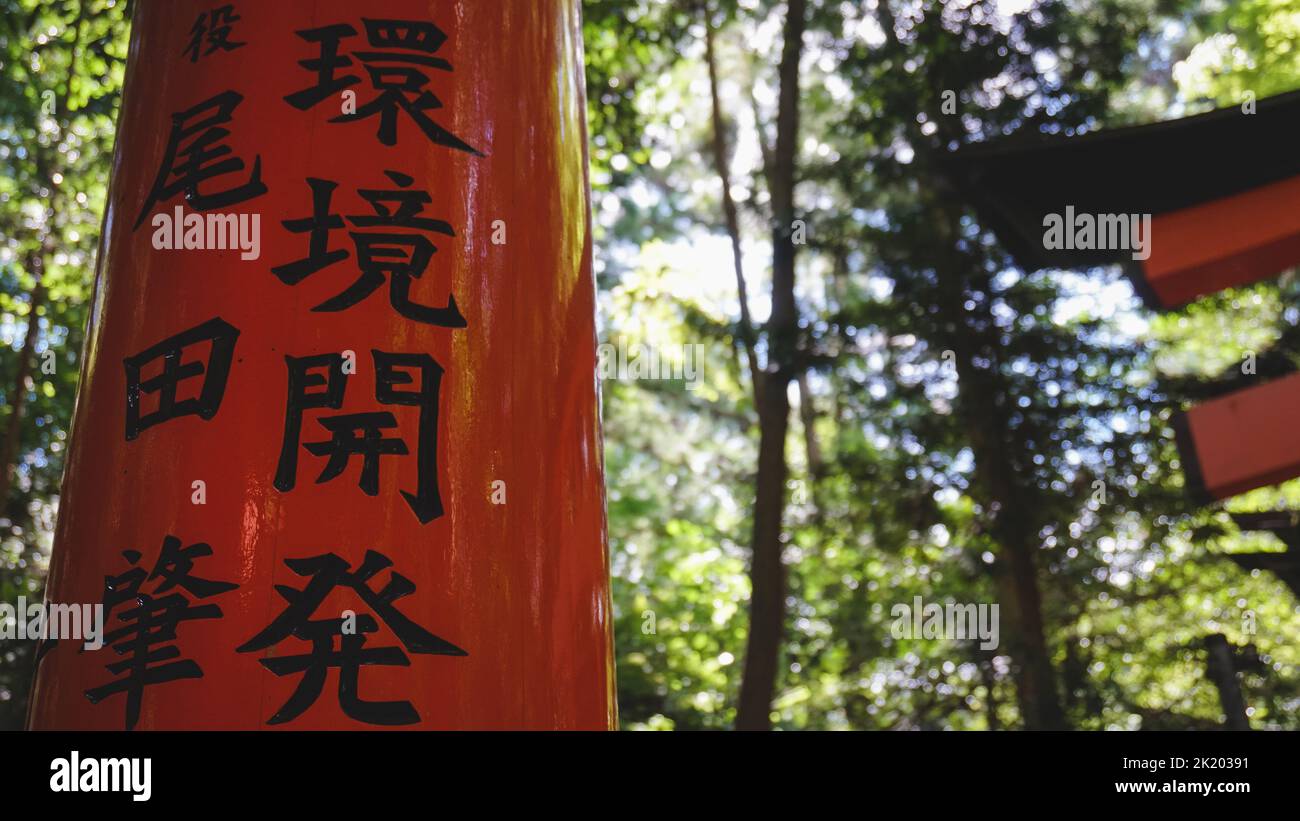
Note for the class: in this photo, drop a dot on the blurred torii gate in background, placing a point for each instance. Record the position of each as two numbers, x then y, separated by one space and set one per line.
1223 193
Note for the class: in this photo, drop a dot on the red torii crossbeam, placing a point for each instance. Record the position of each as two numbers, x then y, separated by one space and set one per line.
1242 441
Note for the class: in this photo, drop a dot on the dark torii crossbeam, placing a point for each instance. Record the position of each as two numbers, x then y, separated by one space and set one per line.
1285 525
1229 223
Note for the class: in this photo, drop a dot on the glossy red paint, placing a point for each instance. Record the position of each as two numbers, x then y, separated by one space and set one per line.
1224 243
522 586
1242 441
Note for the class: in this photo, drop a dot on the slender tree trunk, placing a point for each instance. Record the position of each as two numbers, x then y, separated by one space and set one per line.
722 163
767 572
17 397
808 419
1222 669
812 447
1040 704
1016 572
990 683
986 427
985 419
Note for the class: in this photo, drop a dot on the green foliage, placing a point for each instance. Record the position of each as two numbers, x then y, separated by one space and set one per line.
923 341
62 65
1250 47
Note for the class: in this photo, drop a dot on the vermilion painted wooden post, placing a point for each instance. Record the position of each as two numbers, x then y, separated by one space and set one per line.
348 475
1223 243
1242 441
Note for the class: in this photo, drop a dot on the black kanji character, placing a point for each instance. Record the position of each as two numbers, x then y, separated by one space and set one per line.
348 659
216 26
328 572
188 165
222 336
400 255
152 622
319 383
151 625
395 72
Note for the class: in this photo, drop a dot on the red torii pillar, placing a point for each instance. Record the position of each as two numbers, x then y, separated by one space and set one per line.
350 477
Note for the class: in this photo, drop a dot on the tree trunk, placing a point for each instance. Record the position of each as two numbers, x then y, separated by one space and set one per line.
17 398
1015 572
1221 667
808 419
987 428
985 420
767 572
990 683
1017 578
722 163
